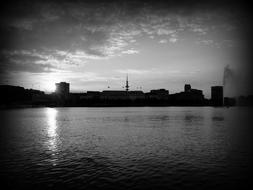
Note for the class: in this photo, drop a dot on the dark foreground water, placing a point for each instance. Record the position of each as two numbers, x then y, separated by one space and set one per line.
125 148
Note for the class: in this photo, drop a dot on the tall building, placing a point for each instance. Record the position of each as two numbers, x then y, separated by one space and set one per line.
62 89
217 95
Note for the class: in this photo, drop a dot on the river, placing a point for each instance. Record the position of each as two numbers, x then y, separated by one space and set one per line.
126 148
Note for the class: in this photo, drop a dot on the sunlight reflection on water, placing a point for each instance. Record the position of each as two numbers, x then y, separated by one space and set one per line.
52 143
52 125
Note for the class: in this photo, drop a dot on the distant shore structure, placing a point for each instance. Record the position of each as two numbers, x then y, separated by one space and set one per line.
217 95
62 89
187 87
19 96
127 85
188 97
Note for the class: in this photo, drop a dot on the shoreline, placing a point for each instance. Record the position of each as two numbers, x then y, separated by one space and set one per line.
107 106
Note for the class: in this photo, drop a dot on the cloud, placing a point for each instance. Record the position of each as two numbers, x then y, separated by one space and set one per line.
25 24
162 31
173 40
221 43
13 65
130 51
163 41
47 33
133 71
26 61
206 42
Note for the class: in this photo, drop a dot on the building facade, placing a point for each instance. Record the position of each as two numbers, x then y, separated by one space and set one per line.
62 89
217 95
187 87
159 94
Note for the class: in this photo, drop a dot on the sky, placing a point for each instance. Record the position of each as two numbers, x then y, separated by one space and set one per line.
93 45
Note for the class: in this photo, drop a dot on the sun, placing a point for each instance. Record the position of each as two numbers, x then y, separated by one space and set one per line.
48 86
49 83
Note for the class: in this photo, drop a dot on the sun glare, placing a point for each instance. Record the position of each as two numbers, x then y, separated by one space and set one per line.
52 126
49 85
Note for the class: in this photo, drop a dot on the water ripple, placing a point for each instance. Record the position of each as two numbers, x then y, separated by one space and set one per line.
124 148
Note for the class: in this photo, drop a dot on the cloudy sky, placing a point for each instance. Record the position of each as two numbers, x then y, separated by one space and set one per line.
94 44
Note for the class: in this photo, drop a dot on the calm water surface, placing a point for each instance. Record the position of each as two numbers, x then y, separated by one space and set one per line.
125 148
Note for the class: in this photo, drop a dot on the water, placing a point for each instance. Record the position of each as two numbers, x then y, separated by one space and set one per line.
125 148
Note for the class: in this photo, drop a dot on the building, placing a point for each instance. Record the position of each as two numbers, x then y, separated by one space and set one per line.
196 92
217 95
189 97
62 89
187 87
229 101
114 95
136 95
92 95
159 94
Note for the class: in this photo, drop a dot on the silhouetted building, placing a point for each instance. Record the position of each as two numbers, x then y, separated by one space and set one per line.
187 87
62 89
229 101
189 97
121 95
38 96
92 95
114 95
136 94
196 92
15 95
245 100
159 94
12 94
74 98
217 95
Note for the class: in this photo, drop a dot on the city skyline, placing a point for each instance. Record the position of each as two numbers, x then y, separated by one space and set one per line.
93 45
126 94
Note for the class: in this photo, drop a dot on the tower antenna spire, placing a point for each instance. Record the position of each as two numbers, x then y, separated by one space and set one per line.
127 86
